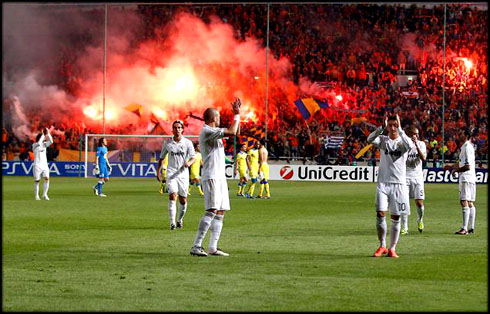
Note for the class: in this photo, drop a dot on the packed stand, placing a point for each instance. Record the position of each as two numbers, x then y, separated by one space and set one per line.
356 51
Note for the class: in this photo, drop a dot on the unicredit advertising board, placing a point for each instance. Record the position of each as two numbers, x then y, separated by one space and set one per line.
356 174
277 172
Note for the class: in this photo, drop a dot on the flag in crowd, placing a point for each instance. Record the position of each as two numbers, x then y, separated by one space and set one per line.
308 106
154 119
154 124
137 109
363 151
334 141
256 133
248 141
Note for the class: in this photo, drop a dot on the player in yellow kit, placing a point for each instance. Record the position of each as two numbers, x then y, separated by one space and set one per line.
196 170
253 169
241 169
163 186
263 171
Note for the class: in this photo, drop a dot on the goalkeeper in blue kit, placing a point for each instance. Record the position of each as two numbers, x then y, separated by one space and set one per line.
102 167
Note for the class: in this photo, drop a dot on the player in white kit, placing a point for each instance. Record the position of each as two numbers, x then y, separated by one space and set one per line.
181 156
467 178
415 178
215 187
40 167
392 190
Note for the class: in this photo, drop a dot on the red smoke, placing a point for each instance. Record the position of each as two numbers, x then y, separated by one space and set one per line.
202 66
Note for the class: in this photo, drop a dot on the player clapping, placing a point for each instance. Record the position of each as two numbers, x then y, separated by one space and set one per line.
215 187
391 190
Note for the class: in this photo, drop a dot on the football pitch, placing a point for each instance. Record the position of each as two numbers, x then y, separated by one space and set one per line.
308 248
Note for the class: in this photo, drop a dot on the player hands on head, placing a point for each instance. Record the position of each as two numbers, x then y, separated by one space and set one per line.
181 156
40 167
215 187
391 190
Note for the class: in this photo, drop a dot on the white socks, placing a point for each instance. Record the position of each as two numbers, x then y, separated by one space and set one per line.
172 210
404 221
46 188
394 233
182 211
466 214
472 216
203 227
216 226
36 189
382 229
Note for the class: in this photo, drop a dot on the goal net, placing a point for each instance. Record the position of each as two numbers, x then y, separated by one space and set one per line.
133 155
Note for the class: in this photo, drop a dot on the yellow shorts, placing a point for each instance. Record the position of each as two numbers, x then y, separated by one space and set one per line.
254 172
265 170
195 175
242 172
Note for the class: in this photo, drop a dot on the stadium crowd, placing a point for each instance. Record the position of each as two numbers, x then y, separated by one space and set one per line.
354 50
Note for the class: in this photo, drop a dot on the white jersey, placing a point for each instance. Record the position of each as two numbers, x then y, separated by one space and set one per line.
467 157
394 153
39 148
213 152
179 152
414 162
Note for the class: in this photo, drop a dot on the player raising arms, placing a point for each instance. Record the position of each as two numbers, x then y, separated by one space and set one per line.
391 190
415 178
253 168
102 167
241 168
263 171
216 198
196 170
181 157
467 178
41 168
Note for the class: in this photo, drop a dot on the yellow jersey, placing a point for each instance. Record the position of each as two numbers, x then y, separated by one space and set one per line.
253 155
165 164
196 166
241 158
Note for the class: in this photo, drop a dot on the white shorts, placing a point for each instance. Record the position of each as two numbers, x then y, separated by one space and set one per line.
467 191
394 196
416 188
179 185
39 172
216 194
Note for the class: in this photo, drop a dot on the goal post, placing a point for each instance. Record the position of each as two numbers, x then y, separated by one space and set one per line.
124 148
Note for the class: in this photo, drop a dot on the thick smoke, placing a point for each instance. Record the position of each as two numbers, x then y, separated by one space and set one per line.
192 65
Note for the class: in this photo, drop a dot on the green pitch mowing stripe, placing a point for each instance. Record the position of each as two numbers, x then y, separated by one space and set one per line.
308 248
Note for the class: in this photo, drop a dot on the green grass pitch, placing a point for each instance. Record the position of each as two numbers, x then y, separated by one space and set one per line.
307 249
